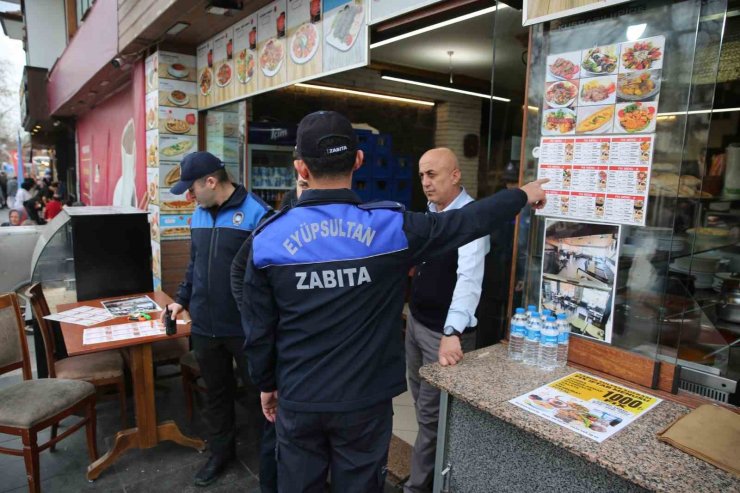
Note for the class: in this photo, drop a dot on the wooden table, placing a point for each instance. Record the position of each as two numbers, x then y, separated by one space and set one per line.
147 432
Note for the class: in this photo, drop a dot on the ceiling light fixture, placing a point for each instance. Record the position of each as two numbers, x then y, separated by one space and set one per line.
443 88
450 53
177 28
426 29
635 32
366 94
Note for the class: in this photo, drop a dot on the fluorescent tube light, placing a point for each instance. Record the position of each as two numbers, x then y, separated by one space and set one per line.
699 112
426 29
366 94
443 88
177 28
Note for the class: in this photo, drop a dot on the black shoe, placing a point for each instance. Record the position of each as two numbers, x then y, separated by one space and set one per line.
212 469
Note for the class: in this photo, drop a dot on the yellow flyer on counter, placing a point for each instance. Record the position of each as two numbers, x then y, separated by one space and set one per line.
588 405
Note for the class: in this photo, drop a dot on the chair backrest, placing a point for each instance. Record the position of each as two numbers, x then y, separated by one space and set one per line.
41 309
13 346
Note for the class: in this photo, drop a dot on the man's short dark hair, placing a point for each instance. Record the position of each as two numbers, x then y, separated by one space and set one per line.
339 164
220 175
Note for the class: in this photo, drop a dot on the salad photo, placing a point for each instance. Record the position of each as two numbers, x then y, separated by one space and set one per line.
600 60
643 54
558 122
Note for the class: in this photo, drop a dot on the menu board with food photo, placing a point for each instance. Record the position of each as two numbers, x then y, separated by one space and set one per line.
223 66
587 405
271 44
206 79
152 148
151 64
304 39
180 121
175 147
177 94
169 174
175 204
176 66
605 178
151 105
154 222
345 34
603 89
175 226
152 185
245 56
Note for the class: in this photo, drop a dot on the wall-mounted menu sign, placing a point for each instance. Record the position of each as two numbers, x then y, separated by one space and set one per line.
599 111
285 42
536 11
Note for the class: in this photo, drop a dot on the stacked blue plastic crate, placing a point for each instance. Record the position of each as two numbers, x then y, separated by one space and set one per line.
383 176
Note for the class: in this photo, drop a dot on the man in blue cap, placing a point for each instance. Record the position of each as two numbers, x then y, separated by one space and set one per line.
222 222
321 309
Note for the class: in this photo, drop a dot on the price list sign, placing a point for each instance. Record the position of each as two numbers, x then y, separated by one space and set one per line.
603 179
587 405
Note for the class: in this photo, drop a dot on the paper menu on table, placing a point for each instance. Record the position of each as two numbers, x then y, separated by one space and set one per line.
82 315
110 333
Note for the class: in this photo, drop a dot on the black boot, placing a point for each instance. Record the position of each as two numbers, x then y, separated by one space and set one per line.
213 468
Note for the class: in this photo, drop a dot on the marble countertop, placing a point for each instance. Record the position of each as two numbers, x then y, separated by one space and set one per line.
487 380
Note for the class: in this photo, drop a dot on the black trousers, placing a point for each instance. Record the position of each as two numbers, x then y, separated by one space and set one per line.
215 356
354 445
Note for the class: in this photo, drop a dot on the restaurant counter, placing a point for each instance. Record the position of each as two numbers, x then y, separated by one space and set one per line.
492 445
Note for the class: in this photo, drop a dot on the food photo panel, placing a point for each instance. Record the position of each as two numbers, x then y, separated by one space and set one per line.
245 55
595 119
561 94
559 121
345 34
636 117
205 74
177 94
178 121
175 147
643 54
176 66
643 85
304 39
271 41
564 66
223 62
599 61
598 90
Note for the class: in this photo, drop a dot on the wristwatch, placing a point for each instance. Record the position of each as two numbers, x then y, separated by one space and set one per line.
450 331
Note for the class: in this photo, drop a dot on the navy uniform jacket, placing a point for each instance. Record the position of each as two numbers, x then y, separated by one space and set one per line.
216 235
323 293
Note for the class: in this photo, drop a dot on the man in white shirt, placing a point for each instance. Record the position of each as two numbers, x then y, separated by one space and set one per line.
444 296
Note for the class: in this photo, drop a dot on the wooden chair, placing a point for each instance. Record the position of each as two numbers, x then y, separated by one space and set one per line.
33 405
101 369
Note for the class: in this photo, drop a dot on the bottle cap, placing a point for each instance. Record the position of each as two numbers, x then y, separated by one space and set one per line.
562 316
535 314
546 311
520 310
550 319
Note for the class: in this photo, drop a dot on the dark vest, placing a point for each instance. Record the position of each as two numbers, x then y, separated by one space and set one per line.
432 289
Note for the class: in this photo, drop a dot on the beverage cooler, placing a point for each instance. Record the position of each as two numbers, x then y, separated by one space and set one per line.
270 161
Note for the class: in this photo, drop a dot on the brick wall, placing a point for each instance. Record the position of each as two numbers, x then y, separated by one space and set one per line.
456 119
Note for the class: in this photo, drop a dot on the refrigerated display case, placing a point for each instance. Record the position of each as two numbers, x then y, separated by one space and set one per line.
271 172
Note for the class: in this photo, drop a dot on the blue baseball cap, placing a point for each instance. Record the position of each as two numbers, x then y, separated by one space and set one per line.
195 165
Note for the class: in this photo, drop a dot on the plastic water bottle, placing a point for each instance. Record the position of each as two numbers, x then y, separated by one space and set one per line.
563 338
546 313
516 334
530 310
531 349
548 357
